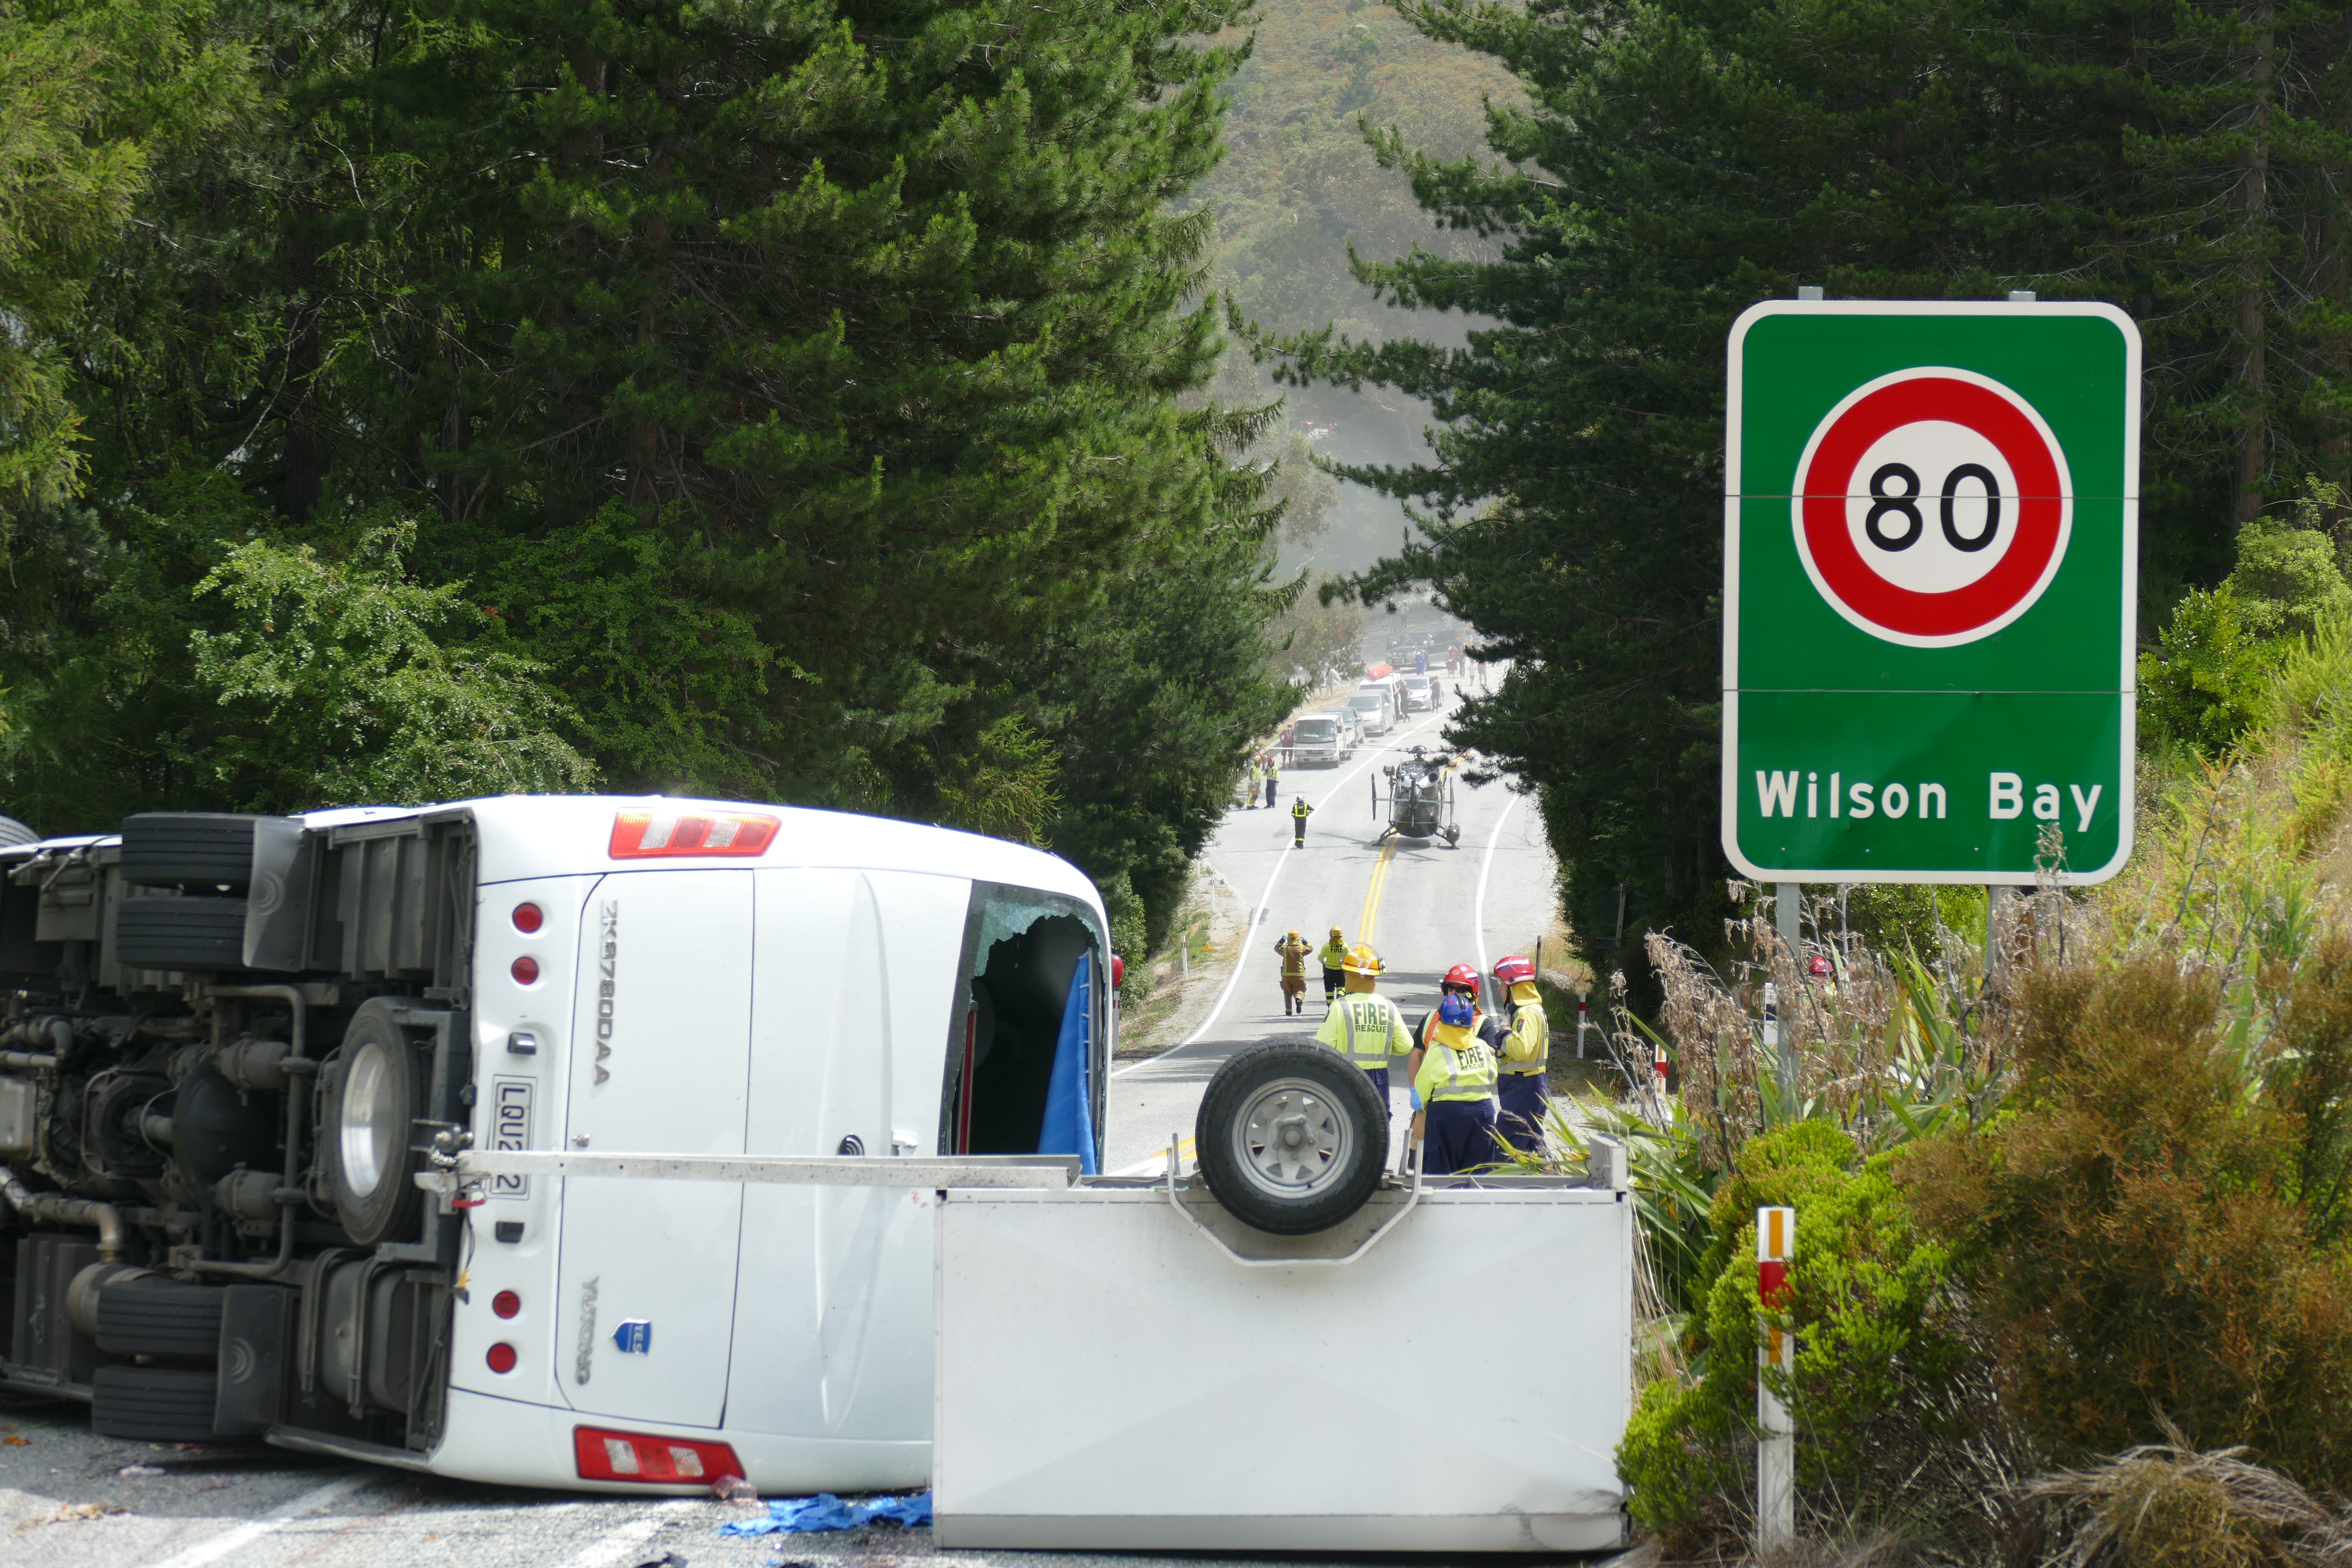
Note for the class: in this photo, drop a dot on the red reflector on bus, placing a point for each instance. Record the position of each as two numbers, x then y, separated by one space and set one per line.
653 835
501 1358
604 1455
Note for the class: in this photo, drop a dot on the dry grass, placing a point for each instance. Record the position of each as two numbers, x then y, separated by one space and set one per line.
2167 1505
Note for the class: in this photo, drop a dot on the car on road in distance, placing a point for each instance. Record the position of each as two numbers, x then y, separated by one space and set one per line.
1374 706
239 1051
1419 695
1323 740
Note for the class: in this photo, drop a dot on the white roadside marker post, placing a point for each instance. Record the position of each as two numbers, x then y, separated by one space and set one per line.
1776 1448
1580 1024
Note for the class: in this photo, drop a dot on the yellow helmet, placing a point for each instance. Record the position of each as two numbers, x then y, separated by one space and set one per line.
1362 960
1294 934
1335 933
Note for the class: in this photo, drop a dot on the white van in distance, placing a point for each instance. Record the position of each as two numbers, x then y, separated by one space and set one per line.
1323 740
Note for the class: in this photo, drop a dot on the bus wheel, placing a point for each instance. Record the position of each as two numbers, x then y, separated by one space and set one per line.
376 1091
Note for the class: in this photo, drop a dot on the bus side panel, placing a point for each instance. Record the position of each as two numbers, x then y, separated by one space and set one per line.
850 1018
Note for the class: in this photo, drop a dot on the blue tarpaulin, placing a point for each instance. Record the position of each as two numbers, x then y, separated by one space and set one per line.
1069 1125
808 1515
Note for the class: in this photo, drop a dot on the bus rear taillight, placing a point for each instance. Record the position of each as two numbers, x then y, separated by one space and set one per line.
608 1456
660 834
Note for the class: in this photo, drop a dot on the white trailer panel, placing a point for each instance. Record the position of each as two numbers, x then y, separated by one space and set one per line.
1109 1378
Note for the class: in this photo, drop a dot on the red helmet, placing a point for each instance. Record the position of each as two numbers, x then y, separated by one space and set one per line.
1460 975
1513 969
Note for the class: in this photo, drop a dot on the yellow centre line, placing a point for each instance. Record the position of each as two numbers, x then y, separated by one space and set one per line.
1370 918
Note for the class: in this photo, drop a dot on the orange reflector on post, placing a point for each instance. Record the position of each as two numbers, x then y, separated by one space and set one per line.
1776 1243
684 834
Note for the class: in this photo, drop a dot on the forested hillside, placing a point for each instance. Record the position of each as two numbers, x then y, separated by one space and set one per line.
467 395
1297 186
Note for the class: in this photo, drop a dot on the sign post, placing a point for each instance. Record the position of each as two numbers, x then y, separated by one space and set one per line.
1930 550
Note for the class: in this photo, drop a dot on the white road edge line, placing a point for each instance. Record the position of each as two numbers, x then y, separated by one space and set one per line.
1478 899
625 1540
244 1535
1250 934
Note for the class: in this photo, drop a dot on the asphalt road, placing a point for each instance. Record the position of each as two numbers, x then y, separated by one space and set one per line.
1423 906
65 1503
70 1500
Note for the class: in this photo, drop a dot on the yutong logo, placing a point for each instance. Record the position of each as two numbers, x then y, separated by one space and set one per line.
604 986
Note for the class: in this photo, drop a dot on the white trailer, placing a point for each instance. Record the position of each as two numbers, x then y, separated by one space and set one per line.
1121 1364
1125 1369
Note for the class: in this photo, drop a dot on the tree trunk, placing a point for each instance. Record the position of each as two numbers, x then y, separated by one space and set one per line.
2253 205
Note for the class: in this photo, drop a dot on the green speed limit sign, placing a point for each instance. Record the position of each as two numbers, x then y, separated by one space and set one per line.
1931 524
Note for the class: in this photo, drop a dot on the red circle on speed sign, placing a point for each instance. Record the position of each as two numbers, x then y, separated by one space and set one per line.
1933 507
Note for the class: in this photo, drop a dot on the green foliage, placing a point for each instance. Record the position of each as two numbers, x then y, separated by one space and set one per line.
1911 916
2286 580
795 390
88 93
336 691
2152 1234
2209 685
2223 649
1877 1360
1007 787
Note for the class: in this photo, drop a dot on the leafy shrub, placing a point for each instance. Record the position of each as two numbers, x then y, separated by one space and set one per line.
2208 686
2134 1234
351 682
2223 650
1878 1387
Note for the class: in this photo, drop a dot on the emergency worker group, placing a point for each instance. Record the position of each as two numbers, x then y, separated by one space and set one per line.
1477 1080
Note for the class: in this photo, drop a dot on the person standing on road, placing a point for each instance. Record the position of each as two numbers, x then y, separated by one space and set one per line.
1333 955
1460 981
1420 661
1256 776
1454 1081
1525 1053
1298 810
1273 777
1294 950
1365 1027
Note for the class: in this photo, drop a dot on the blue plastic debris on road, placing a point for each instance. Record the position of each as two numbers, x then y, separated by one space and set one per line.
808 1515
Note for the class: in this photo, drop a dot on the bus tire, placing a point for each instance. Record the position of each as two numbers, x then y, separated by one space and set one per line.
375 1093
188 848
1292 1138
181 933
160 1403
161 1317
